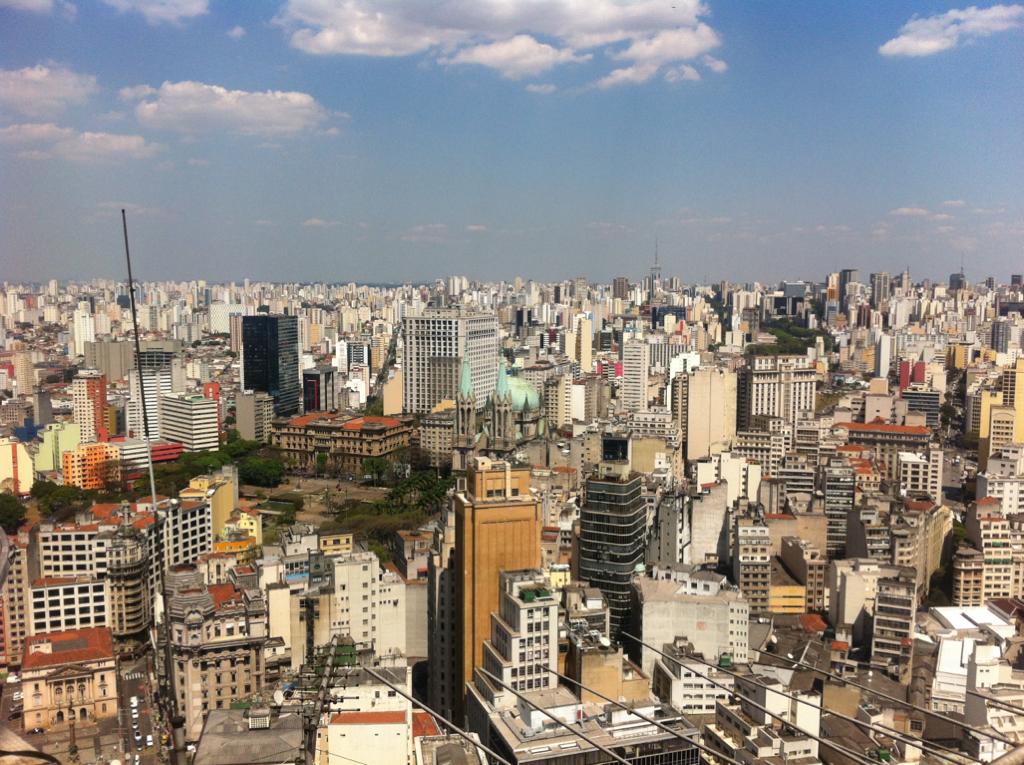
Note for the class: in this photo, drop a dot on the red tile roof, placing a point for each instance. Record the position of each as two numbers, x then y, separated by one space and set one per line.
368 718
424 725
68 647
223 594
812 623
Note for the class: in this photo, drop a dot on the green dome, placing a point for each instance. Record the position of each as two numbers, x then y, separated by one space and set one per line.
524 395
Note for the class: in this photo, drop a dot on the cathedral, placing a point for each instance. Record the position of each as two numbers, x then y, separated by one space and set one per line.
511 416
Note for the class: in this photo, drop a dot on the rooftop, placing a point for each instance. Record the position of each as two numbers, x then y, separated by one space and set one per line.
69 647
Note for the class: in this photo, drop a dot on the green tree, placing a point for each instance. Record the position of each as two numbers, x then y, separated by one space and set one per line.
376 467
12 513
260 471
321 464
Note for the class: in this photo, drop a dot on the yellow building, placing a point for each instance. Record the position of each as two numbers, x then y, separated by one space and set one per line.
335 543
221 491
785 594
497 528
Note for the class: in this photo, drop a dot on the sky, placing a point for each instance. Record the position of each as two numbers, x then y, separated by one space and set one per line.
391 141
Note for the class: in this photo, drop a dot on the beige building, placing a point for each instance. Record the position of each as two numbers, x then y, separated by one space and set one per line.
68 677
704 405
212 646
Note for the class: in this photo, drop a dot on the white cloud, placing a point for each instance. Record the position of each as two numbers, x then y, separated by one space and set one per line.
630 75
517 38
940 217
132 209
198 162
716 65
162 11
672 45
236 33
944 31
193 107
954 203
68 10
684 73
43 90
910 212
45 140
476 228
320 223
544 88
517 57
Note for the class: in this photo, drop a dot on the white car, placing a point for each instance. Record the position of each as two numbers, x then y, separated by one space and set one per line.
134 701
138 737
149 740
13 678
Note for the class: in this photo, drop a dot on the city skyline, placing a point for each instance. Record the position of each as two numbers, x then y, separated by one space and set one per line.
270 142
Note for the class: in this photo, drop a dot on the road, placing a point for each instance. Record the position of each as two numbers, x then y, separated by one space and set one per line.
134 679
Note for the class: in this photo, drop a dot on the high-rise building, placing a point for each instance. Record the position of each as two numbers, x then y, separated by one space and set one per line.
83 330
704 405
611 545
777 386
635 363
270 359
837 481
435 344
254 413
191 420
24 374
881 288
752 562
620 288
498 523
89 405
1001 331
318 390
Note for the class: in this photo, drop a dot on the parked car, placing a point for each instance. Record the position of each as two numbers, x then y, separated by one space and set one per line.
149 740
35 731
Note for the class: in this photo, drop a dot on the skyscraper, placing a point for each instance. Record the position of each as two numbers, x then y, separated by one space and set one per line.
89 405
635 361
270 359
497 528
435 344
612 523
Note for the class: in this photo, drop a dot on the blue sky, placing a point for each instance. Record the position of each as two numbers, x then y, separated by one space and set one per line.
390 141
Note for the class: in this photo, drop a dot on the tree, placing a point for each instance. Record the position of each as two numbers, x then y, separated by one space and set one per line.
376 467
321 463
12 513
260 471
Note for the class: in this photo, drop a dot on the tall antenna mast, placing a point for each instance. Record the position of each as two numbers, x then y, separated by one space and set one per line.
138 361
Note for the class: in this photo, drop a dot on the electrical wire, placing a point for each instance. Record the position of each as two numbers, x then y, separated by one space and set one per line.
646 718
895 735
548 714
437 716
894 699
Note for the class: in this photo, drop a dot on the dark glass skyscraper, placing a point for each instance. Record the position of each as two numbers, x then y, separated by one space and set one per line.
612 523
270 357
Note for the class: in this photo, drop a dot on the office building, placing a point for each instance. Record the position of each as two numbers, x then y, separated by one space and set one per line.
435 343
270 359
776 386
191 420
612 534
318 390
497 527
